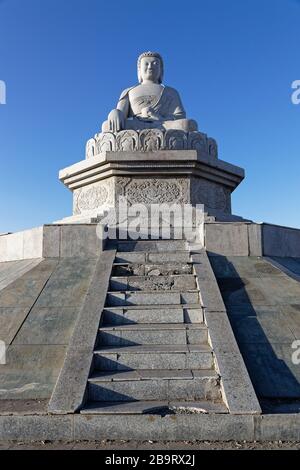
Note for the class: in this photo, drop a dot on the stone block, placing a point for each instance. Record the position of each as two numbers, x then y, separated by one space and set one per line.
212 426
179 256
274 427
11 247
281 241
36 428
51 241
130 316
255 239
80 241
33 243
141 298
189 297
140 336
193 315
155 389
229 239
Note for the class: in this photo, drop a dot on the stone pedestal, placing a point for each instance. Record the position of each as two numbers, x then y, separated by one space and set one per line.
154 177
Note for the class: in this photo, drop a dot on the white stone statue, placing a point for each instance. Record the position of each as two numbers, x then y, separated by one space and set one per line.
149 104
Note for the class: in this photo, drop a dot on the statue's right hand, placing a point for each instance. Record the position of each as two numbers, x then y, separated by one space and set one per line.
116 120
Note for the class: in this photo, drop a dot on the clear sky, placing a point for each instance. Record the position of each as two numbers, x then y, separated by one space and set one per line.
65 63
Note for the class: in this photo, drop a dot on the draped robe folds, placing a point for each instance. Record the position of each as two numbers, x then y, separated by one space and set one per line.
162 111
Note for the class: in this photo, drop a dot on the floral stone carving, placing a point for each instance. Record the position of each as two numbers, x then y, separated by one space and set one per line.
176 140
151 140
154 191
90 199
106 142
127 141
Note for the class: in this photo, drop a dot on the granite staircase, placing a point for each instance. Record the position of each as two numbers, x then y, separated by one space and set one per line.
152 353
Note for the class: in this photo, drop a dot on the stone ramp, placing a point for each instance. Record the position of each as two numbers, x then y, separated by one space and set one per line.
290 266
263 306
38 311
10 271
152 353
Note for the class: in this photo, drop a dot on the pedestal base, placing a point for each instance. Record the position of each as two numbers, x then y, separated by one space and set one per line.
162 177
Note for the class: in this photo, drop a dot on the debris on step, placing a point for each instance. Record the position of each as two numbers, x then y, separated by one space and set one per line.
187 410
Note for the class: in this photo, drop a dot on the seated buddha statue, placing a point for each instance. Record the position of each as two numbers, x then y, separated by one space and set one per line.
149 104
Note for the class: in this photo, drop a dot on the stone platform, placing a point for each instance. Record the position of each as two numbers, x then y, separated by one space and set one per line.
156 177
119 291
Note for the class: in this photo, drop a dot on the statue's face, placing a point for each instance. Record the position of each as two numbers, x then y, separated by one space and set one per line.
150 69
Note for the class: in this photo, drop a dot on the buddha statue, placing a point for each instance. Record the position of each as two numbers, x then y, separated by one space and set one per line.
150 104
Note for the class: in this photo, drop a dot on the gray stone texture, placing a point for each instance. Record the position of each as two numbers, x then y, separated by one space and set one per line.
36 428
263 308
250 239
281 241
69 391
51 241
170 427
236 385
36 321
10 271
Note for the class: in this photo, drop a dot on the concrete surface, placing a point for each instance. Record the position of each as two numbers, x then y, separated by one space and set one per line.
263 308
51 241
37 316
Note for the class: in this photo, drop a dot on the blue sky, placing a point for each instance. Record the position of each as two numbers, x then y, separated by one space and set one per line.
65 63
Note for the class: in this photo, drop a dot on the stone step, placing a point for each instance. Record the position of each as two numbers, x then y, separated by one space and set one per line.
148 232
154 407
157 283
154 357
139 334
159 258
154 385
152 314
166 269
149 245
125 298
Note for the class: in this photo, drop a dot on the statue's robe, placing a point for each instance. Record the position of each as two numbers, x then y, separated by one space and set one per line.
167 106
167 111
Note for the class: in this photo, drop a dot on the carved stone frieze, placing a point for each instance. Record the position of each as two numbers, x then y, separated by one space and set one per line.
151 140
90 148
213 195
175 140
127 141
156 190
106 142
212 148
197 141
91 197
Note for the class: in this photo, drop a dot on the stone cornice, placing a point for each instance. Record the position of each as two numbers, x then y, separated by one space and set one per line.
160 163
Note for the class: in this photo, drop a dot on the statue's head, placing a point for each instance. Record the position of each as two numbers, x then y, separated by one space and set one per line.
156 63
